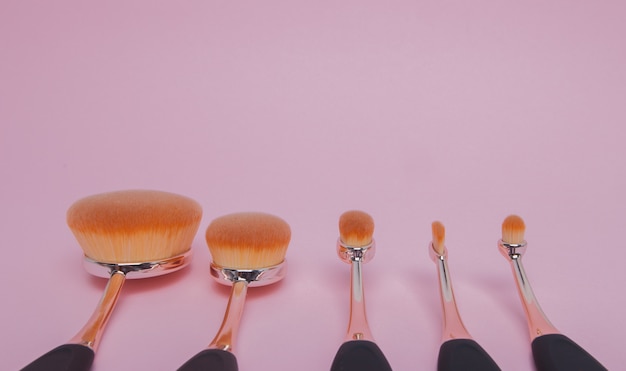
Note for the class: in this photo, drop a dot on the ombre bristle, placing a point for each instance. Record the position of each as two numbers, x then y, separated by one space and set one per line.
513 229
134 226
356 228
248 240
439 237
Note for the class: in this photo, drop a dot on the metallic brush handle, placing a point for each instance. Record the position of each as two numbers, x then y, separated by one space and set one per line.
91 333
453 327
552 351
358 352
358 328
538 323
356 256
225 338
79 353
219 356
459 352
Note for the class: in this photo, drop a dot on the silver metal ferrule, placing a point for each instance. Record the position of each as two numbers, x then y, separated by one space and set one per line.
138 270
254 277
453 327
538 323
512 250
349 254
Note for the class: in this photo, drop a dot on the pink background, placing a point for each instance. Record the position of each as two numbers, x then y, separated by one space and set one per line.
457 111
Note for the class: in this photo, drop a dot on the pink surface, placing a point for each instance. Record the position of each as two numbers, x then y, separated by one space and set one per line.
462 112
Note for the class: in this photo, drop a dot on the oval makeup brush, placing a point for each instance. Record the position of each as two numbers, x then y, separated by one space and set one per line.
248 249
552 351
458 351
356 246
124 234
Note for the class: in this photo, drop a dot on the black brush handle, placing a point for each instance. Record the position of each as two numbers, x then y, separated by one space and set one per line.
360 355
211 360
67 357
556 352
464 355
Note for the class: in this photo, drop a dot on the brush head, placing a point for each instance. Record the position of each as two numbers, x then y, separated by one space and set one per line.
356 228
439 237
134 226
248 241
513 229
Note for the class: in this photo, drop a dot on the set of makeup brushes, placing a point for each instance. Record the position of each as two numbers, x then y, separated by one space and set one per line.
142 233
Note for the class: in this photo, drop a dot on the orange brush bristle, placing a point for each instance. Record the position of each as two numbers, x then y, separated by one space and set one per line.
356 228
134 226
248 240
513 229
439 236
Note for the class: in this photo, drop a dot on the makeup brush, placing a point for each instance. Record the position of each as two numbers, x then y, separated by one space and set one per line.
248 249
552 351
124 234
356 246
458 351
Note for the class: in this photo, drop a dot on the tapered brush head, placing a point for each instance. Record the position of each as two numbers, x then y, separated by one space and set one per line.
439 237
356 228
248 240
134 226
513 229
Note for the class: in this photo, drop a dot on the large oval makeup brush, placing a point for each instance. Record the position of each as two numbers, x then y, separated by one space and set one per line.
356 246
124 234
248 249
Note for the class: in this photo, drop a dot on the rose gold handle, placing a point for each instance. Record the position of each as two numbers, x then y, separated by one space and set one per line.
453 327
358 328
225 338
91 333
538 323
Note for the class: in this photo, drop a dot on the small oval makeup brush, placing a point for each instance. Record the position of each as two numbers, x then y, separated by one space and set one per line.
356 246
458 351
124 234
248 249
552 351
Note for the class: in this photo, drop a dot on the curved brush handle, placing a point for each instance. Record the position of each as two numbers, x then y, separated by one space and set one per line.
360 355
67 357
79 353
556 352
464 355
211 360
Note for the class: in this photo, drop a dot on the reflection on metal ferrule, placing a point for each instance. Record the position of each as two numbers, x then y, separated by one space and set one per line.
140 269
512 250
349 254
254 277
